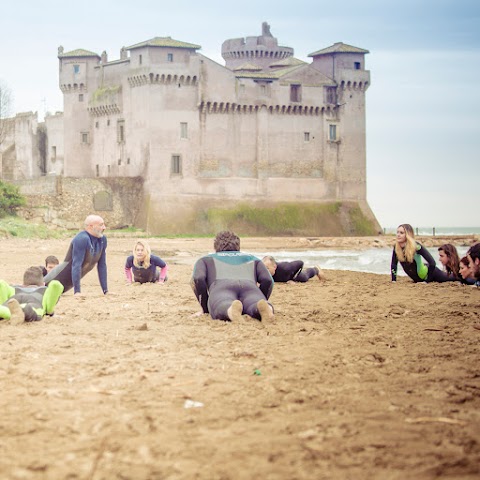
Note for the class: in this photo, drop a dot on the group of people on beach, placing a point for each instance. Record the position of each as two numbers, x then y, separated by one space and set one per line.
227 283
412 256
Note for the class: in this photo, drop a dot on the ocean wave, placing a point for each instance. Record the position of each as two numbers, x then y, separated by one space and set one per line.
372 260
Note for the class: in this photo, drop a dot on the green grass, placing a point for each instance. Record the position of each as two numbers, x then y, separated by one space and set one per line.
361 224
18 227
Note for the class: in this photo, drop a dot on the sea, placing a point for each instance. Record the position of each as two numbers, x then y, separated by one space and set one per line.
369 260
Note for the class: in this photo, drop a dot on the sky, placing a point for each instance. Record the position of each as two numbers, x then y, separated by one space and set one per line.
423 105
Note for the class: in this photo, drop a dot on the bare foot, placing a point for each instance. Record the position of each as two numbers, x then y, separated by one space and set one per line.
17 315
321 276
235 311
265 310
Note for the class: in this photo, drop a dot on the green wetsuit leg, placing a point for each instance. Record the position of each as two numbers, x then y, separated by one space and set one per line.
51 296
5 313
6 291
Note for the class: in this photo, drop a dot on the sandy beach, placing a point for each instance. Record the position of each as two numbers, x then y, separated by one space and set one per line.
357 378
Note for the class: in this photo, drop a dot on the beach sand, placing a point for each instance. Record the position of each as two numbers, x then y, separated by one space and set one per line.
357 378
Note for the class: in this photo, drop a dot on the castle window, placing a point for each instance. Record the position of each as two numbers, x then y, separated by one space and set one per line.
332 135
97 170
121 131
306 136
80 97
331 95
108 123
357 65
170 57
54 153
139 59
295 93
96 124
76 69
263 90
119 161
108 168
183 130
176 164
128 161
242 89
84 136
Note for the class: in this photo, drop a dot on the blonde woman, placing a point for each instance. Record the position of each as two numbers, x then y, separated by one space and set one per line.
411 256
143 267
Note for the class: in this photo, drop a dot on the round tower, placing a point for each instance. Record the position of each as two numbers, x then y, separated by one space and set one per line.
260 51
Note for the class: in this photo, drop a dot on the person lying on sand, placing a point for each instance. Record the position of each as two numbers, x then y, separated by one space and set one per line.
32 300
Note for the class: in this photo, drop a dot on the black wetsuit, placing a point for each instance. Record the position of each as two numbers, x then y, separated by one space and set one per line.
145 275
419 271
220 278
84 253
287 271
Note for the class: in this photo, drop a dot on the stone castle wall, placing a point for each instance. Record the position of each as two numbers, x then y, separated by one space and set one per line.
65 201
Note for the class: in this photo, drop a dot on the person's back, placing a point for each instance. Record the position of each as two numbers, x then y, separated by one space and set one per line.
227 276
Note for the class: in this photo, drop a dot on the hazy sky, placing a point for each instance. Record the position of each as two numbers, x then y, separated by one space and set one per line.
423 106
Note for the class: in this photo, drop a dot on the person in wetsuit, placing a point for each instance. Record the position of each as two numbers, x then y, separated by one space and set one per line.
143 267
32 300
50 263
285 272
465 272
473 256
229 283
411 254
87 249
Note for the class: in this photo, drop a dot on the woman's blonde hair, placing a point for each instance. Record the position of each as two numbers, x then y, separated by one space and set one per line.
148 253
406 253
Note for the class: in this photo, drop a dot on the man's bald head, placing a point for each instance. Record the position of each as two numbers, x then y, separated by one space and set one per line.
95 225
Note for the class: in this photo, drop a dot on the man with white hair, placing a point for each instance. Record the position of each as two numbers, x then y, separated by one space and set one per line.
87 249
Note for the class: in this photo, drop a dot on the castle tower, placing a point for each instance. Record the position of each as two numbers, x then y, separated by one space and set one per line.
77 82
345 64
259 51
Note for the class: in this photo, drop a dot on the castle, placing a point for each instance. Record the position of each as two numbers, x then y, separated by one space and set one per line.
266 128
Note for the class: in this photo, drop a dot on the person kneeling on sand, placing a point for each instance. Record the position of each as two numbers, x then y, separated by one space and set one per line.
289 272
411 255
229 283
32 300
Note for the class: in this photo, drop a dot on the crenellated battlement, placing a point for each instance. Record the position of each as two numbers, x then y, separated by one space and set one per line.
165 79
228 107
349 85
278 54
73 87
104 110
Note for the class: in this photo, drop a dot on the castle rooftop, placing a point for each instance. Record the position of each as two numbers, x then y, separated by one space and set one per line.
338 47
